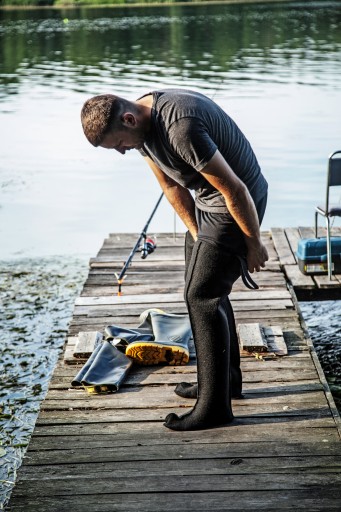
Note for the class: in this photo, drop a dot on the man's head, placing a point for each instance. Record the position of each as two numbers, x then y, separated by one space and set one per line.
113 123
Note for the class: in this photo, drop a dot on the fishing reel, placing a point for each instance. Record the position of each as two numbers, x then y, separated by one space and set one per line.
149 246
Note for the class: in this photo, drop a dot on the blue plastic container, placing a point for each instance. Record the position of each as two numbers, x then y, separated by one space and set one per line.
312 255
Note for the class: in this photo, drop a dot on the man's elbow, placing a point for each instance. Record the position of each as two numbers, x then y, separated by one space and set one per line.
238 195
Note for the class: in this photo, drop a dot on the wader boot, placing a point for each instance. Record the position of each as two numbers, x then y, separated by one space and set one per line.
170 344
104 371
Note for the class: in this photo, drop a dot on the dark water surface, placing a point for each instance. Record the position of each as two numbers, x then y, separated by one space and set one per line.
275 68
323 320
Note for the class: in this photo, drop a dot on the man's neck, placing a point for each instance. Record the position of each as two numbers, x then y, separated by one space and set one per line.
146 101
145 106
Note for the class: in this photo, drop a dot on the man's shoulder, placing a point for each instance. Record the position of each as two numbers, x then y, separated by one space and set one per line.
181 105
180 97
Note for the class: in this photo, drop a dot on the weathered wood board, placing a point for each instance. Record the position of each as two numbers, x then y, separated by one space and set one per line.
307 287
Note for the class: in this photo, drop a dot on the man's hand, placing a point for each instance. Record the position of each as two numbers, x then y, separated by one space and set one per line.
240 205
257 254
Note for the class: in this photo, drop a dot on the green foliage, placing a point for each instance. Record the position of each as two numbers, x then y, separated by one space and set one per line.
89 2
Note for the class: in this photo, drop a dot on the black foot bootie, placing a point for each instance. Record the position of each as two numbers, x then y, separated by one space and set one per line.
207 285
187 390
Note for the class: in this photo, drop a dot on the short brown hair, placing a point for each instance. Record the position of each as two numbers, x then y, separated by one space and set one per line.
99 114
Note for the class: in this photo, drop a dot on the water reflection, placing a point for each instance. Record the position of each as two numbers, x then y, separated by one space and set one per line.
203 45
274 67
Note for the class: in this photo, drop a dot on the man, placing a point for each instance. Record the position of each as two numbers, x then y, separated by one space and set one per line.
191 143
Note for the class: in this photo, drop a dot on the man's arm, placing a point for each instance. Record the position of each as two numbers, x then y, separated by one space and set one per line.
179 197
240 205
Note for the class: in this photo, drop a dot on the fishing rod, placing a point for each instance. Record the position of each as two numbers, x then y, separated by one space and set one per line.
148 247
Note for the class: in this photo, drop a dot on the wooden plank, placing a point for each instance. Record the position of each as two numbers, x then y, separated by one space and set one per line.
128 241
165 257
309 232
183 451
127 469
282 246
161 252
176 297
164 265
160 266
117 238
293 237
324 282
247 416
249 363
141 289
287 318
164 397
275 340
125 316
151 379
264 279
125 434
131 309
251 337
308 499
86 344
297 279
146 283
252 387
199 483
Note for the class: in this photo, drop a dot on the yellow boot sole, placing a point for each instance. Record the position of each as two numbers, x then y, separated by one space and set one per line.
149 353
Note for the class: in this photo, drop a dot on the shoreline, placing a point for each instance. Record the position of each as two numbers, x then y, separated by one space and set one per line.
152 3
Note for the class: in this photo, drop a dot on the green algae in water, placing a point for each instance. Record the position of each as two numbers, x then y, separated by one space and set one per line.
323 320
37 300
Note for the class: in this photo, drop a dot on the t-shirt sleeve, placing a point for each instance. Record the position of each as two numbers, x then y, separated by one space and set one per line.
188 137
142 152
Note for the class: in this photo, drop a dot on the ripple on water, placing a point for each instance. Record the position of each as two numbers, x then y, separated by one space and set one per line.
323 320
37 298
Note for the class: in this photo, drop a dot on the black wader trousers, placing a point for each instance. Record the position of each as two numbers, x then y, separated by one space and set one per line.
212 266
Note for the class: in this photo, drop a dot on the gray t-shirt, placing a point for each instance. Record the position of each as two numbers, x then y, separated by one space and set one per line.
186 130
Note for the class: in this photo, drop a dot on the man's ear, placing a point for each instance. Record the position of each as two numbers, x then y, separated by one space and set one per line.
128 119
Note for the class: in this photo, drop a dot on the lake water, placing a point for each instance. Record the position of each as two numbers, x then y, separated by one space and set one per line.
275 68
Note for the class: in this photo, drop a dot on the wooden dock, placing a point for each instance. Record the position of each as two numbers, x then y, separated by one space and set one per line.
96 453
317 287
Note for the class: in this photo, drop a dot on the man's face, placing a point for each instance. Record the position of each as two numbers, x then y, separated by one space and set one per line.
123 140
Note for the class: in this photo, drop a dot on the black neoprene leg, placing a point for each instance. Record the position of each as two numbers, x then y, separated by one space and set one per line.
208 284
189 244
235 371
187 390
